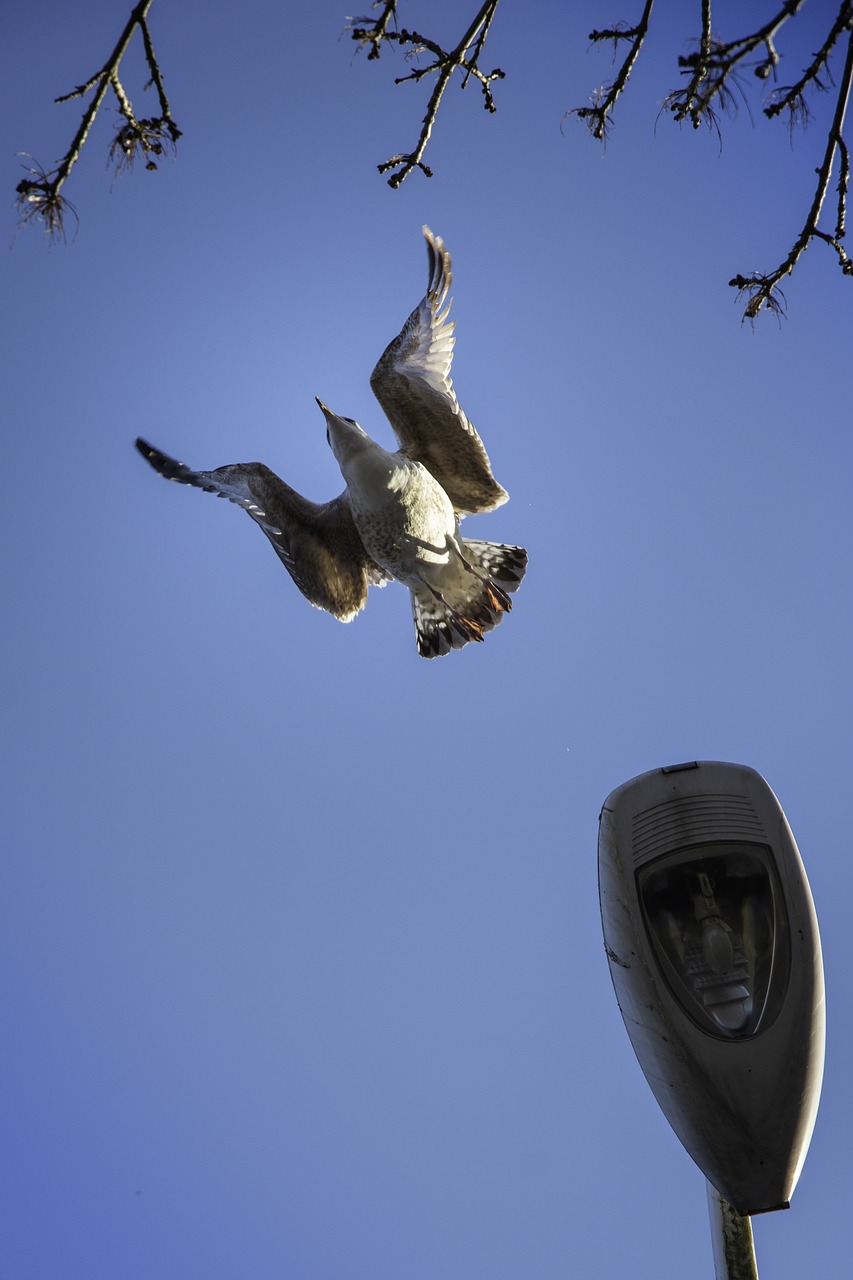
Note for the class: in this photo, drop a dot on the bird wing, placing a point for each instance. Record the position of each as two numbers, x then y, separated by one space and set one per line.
318 544
412 383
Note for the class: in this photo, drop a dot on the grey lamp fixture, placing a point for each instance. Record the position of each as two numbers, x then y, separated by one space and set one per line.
714 951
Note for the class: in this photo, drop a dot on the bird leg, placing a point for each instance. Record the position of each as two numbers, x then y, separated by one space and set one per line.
470 629
498 598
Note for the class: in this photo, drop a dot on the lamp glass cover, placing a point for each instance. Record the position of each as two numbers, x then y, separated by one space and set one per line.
716 920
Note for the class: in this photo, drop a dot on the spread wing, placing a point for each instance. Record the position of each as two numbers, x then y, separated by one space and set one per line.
318 544
412 383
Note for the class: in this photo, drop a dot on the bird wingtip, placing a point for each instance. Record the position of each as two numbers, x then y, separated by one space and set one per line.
435 244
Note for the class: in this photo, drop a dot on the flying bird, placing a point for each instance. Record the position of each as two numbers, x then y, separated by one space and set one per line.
398 517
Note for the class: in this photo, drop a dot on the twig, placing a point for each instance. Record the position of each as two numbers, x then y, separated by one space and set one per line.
39 194
692 101
762 289
792 98
717 61
154 68
600 115
713 70
445 64
375 33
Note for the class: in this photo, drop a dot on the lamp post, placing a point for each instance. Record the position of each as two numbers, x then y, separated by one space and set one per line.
714 951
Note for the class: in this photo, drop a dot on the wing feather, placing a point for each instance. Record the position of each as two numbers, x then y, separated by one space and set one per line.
318 544
412 383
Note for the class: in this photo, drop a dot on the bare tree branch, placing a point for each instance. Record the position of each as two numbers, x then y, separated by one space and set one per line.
711 72
716 63
708 80
599 116
39 194
713 77
792 98
465 56
762 289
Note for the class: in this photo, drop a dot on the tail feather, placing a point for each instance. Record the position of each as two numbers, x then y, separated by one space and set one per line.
504 565
472 605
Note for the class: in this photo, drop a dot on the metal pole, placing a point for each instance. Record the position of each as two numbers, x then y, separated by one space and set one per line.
731 1237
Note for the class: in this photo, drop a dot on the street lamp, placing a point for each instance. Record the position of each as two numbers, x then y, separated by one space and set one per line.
714 951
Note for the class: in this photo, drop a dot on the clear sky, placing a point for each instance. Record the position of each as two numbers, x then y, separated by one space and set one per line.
303 976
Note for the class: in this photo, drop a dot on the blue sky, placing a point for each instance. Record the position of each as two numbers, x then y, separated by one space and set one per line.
303 970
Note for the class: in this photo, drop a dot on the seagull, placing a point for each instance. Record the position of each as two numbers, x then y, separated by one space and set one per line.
398 517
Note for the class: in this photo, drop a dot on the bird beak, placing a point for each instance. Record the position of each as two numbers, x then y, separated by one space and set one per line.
328 415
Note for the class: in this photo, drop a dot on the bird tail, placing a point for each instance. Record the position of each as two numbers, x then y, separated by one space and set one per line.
474 604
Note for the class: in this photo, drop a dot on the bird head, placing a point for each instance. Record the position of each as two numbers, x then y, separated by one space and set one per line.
345 436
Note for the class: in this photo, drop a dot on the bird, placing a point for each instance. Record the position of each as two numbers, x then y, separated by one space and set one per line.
399 516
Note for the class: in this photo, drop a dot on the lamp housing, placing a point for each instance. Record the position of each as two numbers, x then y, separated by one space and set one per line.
714 951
